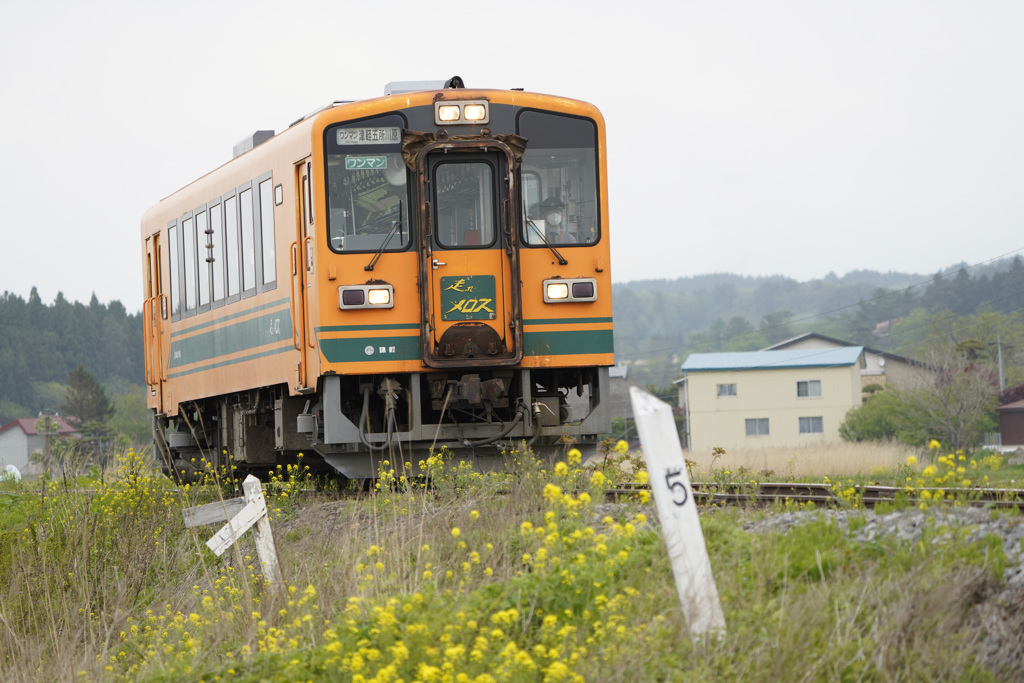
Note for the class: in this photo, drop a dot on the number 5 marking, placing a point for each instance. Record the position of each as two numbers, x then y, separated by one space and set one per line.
674 480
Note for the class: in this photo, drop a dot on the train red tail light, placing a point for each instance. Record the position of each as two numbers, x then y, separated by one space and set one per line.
583 290
352 297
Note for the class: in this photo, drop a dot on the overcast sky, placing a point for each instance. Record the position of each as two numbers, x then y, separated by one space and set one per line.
744 136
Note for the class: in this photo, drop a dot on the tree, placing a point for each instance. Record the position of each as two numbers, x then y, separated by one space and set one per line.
1011 395
876 419
735 335
131 416
86 401
777 326
956 406
88 409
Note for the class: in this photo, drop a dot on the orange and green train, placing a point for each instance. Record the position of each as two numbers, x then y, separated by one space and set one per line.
421 270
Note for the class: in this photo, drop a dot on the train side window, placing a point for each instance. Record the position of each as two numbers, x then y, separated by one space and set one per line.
309 200
248 240
188 229
267 233
231 243
305 198
560 198
217 249
202 239
174 291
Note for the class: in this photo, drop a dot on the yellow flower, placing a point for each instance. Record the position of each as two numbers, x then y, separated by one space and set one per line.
622 447
456 531
474 515
575 456
561 469
912 461
934 445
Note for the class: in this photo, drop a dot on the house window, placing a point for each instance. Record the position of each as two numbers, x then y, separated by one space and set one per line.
757 426
726 390
809 389
812 425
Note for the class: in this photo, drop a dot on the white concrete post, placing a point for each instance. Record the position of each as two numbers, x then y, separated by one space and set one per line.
677 510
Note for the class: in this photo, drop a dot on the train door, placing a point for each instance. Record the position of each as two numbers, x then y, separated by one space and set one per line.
302 278
154 312
472 302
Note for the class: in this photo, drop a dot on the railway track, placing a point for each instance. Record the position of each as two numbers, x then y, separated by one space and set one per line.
824 495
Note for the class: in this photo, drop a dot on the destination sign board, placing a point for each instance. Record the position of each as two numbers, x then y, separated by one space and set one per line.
390 135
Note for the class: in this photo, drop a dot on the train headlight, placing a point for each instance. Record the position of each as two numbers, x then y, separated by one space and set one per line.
462 111
449 112
570 290
475 112
366 296
379 297
556 290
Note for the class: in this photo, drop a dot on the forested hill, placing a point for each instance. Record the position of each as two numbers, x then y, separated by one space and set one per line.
42 343
659 322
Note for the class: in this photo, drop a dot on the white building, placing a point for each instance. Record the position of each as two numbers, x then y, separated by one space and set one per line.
769 398
19 439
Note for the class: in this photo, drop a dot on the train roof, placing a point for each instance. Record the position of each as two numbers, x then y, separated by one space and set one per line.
416 89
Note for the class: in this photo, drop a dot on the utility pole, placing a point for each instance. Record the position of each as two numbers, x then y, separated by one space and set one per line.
46 440
999 348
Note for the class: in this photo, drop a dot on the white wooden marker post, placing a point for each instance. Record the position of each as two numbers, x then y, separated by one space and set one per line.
241 514
673 499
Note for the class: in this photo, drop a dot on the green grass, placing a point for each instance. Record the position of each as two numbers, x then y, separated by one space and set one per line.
499 577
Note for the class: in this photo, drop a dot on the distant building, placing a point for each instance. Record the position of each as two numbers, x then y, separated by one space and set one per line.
880 367
769 398
1011 425
19 439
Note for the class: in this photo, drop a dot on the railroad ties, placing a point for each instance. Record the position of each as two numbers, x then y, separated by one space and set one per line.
825 495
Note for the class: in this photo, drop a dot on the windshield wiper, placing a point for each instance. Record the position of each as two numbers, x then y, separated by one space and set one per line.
561 259
391 233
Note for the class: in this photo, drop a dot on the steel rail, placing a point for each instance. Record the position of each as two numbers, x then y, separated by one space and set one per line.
833 495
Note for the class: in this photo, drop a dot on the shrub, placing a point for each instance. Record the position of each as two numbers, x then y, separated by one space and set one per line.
876 419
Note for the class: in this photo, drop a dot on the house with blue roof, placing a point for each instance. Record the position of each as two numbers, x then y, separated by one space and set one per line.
790 397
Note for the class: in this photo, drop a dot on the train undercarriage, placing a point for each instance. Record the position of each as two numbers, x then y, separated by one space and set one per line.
352 423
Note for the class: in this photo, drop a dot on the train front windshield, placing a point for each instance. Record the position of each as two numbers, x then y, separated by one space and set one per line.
559 180
368 189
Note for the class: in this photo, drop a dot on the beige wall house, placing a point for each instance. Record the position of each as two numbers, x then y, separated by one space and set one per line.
769 398
880 367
